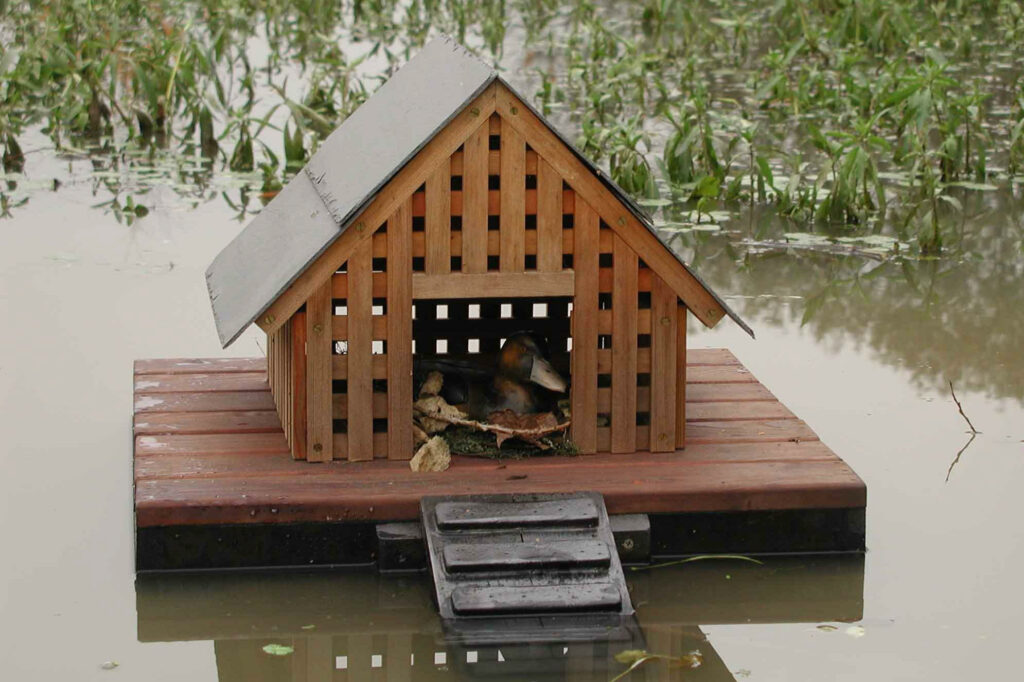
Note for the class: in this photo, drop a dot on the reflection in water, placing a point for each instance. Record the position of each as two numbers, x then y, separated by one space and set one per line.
362 626
958 318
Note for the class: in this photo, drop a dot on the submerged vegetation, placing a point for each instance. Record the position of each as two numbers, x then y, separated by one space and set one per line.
861 115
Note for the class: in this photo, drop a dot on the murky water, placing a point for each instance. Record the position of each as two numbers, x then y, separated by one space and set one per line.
937 596
859 344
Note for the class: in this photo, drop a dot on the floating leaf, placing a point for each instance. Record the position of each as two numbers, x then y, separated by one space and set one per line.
278 650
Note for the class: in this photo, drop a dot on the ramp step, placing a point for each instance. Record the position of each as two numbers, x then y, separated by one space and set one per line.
469 601
520 556
508 555
471 514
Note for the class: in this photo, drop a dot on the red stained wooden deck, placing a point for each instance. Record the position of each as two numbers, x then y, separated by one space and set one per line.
209 449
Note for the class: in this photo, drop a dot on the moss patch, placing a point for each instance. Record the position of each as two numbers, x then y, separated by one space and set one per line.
472 443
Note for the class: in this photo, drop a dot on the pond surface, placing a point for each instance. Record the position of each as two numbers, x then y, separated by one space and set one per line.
856 339
937 596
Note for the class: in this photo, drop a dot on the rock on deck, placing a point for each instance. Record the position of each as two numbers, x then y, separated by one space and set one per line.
215 486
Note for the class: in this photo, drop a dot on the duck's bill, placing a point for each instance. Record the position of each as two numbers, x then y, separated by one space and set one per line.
543 374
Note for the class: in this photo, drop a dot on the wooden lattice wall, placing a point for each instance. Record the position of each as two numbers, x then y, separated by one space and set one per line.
494 242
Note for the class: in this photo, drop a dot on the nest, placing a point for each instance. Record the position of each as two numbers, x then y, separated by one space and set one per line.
503 435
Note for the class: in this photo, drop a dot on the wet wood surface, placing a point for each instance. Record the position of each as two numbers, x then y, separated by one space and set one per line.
208 450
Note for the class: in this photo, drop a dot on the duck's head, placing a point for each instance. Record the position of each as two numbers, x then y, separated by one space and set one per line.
522 359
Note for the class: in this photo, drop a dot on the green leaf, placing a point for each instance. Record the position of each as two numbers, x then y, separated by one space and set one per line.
278 650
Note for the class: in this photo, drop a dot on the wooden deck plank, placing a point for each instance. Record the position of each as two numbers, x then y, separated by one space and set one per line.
177 383
151 423
713 486
258 464
219 401
199 365
211 442
744 451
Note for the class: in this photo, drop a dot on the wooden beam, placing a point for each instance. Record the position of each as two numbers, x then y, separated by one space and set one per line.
319 427
360 351
681 377
624 347
437 222
664 304
590 189
405 182
549 218
399 349
513 201
474 207
583 398
494 285
298 380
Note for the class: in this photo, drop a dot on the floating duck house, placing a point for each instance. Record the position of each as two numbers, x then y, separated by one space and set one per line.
442 216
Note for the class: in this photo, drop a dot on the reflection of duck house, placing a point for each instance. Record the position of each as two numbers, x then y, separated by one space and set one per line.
444 215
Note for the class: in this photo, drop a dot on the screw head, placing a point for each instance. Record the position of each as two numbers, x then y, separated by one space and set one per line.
360 226
269 319
475 111
317 447
318 327
514 110
621 221
665 321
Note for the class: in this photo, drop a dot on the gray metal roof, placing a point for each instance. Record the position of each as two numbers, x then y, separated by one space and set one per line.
318 204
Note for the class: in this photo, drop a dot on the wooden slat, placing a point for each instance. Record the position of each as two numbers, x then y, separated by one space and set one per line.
716 486
437 222
379 448
474 209
380 406
584 331
399 356
319 428
209 443
590 188
175 383
199 365
378 327
494 162
339 282
360 350
663 366
212 401
261 421
605 276
531 202
493 248
680 405
268 463
378 366
624 348
411 176
605 319
549 218
298 379
513 201
493 285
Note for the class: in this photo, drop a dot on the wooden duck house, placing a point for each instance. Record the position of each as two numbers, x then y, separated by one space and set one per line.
444 215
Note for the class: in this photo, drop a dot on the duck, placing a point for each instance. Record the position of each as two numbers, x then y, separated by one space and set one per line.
522 379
